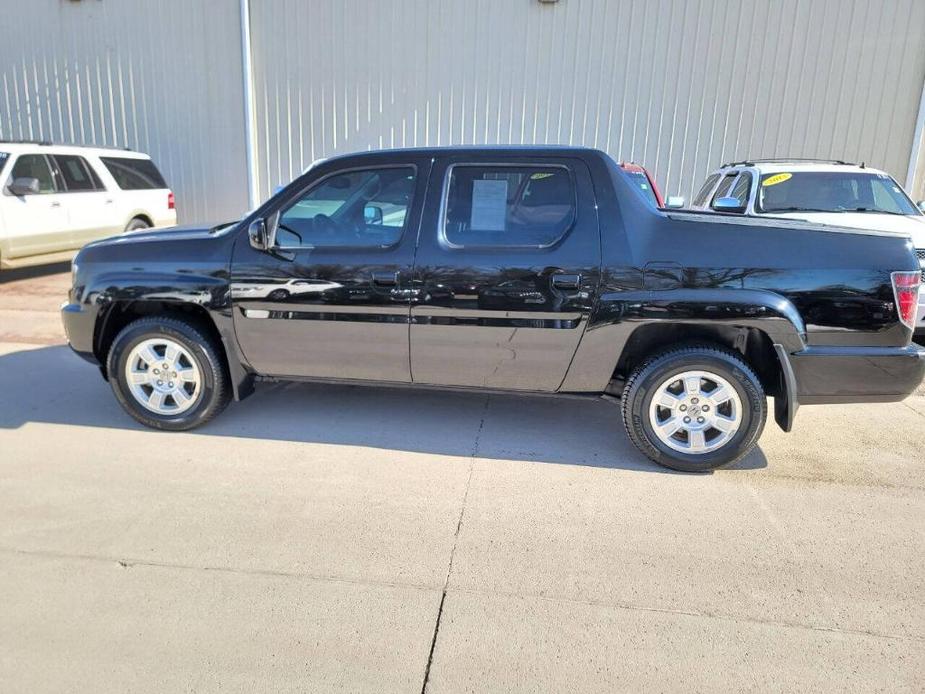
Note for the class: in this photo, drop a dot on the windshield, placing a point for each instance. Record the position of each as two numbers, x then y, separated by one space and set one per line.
832 191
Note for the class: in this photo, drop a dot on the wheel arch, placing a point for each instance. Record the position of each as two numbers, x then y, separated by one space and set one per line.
120 313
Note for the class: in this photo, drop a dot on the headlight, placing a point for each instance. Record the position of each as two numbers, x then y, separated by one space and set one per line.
74 270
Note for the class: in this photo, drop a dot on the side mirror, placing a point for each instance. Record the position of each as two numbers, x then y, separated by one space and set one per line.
675 202
921 205
372 214
729 204
25 186
257 234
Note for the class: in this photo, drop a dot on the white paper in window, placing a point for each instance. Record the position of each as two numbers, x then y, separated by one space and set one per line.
489 205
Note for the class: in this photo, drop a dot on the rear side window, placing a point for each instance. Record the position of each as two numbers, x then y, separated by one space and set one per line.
3 157
77 174
704 193
34 166
512 206
134 174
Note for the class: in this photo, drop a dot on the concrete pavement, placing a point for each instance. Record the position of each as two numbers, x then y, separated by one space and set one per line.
365 539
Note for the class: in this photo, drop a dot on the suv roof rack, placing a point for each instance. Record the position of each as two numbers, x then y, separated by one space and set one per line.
49 143
784 160
43 143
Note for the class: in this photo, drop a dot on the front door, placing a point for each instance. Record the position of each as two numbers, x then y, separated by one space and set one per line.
35 223
332 299
506 272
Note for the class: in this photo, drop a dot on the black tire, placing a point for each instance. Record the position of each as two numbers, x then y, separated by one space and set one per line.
214 392
645 380
278 295
137 224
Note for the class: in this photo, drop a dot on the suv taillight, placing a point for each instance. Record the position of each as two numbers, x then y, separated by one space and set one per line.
906 291
171 201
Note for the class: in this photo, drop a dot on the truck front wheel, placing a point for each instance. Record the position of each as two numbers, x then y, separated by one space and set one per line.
694 408
167 374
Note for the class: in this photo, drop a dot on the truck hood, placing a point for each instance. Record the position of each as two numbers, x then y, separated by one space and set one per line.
913 226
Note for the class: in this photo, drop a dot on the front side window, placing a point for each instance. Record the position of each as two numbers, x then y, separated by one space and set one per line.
704 193
366 208
832 191
742 188
134 174
724 187
515 206
34 166
76 173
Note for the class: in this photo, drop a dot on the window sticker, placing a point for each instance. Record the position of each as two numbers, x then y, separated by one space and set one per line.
540 176
489 205
777 178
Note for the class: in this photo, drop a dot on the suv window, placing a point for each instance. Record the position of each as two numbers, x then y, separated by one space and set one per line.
134 174
3 157
724 187
701 197
741 190
77 174
34 166
513 206
366 208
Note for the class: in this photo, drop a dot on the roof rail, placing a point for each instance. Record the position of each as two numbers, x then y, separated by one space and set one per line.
785 160
44 143
49 143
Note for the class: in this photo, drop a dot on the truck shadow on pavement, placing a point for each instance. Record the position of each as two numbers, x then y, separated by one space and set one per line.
52 385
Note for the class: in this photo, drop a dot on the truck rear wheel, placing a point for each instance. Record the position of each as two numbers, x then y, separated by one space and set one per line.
167 374
694 408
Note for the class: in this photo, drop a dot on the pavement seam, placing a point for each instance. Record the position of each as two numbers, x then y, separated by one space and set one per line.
694 613
129 563
920 414
449 568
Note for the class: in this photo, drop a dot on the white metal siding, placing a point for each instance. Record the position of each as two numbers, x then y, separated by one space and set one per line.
677 85
160 77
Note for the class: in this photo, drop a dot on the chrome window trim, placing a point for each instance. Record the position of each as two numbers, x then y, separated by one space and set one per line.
444 197
292 199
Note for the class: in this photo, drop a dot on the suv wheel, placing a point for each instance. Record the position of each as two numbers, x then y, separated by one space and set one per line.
167 374
694 408
137 224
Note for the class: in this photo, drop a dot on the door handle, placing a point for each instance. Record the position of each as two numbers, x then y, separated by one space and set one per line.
563 281
385 279
56 204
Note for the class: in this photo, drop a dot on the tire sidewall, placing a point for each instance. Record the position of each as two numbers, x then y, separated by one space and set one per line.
753 411
144 330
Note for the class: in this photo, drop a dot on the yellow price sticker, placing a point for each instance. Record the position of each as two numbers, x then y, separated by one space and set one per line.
776 178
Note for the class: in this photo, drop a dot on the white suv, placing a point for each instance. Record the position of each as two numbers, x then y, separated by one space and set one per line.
824 192
54 199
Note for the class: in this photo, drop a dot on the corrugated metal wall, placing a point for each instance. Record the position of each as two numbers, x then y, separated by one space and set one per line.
161 77
677 85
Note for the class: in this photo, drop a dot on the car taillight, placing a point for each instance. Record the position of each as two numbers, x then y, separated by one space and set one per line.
906 291
171 201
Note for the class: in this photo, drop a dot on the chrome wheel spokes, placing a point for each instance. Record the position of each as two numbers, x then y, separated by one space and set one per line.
695 412
162 376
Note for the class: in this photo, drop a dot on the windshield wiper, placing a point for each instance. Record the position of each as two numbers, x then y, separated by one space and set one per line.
875 211
797 209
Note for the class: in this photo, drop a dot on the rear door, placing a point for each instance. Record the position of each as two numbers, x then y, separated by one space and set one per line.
90 208
332 299
37 223
506 271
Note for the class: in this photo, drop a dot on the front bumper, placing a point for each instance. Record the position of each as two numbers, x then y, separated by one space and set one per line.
857 374
79 323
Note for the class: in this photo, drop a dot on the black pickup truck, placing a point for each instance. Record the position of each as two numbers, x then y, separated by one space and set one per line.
526 269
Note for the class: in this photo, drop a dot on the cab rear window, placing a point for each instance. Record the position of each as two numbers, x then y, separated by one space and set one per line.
134 174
